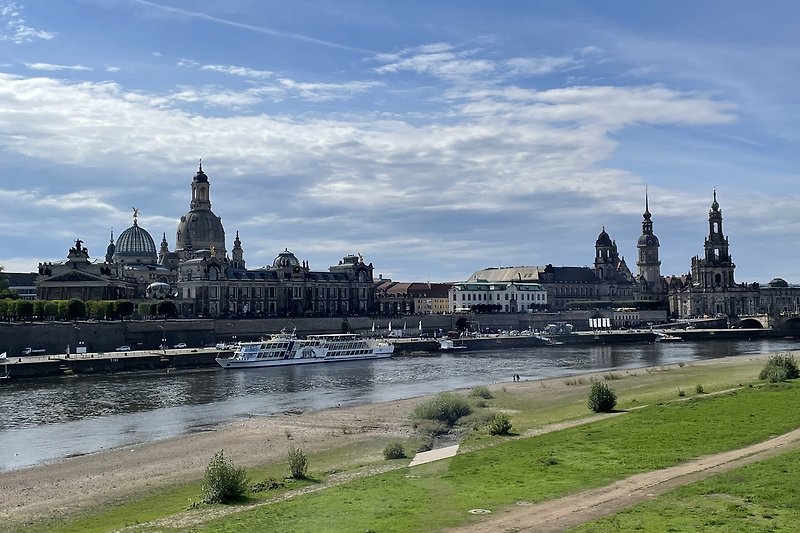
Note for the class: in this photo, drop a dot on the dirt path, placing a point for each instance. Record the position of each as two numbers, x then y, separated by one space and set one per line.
574 510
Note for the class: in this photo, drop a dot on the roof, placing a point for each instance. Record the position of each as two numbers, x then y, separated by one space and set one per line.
20 279
520 273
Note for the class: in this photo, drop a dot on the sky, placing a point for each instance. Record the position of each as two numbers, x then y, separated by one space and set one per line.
433 138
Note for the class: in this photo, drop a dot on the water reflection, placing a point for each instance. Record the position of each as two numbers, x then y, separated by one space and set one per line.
52 418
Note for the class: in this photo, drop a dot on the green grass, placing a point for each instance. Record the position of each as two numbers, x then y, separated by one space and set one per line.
525 411
440 494
755 498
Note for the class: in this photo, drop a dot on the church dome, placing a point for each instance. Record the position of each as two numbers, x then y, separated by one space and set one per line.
648 240
285 259
135 242
603 239
778 282
203 229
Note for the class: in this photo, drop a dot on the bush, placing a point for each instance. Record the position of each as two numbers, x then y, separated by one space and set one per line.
779 368
298 463
269 484
481 391
602 398
394 450
699 389
223 482
445 407
500 425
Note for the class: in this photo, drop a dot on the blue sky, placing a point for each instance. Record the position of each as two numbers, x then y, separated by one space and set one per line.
434 138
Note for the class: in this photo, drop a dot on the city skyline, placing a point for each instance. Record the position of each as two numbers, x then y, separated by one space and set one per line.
436 140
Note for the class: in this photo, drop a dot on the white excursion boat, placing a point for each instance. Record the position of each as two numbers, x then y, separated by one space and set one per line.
446 345
286 349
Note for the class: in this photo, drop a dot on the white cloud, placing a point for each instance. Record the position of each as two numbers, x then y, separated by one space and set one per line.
14 28
234 70
50 67
110 68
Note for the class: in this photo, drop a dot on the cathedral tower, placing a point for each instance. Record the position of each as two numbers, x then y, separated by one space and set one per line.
648 263
715 269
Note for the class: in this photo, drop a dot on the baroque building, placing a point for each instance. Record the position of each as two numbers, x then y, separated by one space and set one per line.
608 281
710 288
202 278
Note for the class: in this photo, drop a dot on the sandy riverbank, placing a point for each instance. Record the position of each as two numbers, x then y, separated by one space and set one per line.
64 488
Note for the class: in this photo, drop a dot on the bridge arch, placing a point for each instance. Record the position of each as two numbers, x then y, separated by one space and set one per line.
751 323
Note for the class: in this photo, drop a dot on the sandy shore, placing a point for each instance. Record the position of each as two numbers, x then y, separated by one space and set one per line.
63 488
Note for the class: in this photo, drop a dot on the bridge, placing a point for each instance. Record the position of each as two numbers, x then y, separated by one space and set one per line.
785 321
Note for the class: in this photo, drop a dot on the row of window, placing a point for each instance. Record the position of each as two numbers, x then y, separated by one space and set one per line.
521 296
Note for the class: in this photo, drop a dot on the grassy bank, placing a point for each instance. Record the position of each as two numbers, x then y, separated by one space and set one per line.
759 497
438 495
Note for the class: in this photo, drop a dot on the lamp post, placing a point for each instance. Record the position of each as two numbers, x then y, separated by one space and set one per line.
163 337
79 347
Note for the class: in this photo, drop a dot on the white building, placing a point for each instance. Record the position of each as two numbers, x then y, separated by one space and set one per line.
504 296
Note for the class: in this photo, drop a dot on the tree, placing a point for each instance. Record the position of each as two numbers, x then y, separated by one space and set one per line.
223 482
124 308
602 399
24 309
166 308
76 309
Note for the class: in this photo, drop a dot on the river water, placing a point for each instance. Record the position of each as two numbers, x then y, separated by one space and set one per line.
48 419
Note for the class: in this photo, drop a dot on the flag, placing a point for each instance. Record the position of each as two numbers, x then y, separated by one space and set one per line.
373 327
420 325
3 355
390 326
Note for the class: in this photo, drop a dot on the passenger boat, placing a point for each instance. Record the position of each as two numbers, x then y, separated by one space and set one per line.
664 337
286 349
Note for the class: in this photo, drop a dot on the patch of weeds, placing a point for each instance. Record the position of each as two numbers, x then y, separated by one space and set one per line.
699 389
548 461
481 391
681 392
611 376
267 484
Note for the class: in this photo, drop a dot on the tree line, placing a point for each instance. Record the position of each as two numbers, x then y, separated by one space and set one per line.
16 309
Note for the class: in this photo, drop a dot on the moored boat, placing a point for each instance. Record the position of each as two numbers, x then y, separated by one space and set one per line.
285 349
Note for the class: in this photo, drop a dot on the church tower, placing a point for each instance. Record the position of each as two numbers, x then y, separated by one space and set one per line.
648 263
237 254
606 257
715 270
200 229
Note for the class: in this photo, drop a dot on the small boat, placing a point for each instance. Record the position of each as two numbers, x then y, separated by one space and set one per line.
5 374
664 337
449 344
286 349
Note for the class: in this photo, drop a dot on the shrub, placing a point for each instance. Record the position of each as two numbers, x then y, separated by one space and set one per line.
223 482
481 391
298 463
445 407
394 450
269 484
500 425
681 392
602 398
779 368
699 389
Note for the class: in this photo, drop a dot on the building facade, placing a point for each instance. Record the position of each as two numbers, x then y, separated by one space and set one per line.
710 289
202 278
501 296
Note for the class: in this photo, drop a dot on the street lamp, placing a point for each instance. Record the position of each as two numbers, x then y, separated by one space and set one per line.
80 348
163 337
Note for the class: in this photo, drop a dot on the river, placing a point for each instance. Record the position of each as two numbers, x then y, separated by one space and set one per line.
49 419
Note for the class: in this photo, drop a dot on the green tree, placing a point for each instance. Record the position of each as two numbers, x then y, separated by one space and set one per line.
50 309
24 309
602 399
76 309
38 308
223 482
4 307
166 308
63 309
124 308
